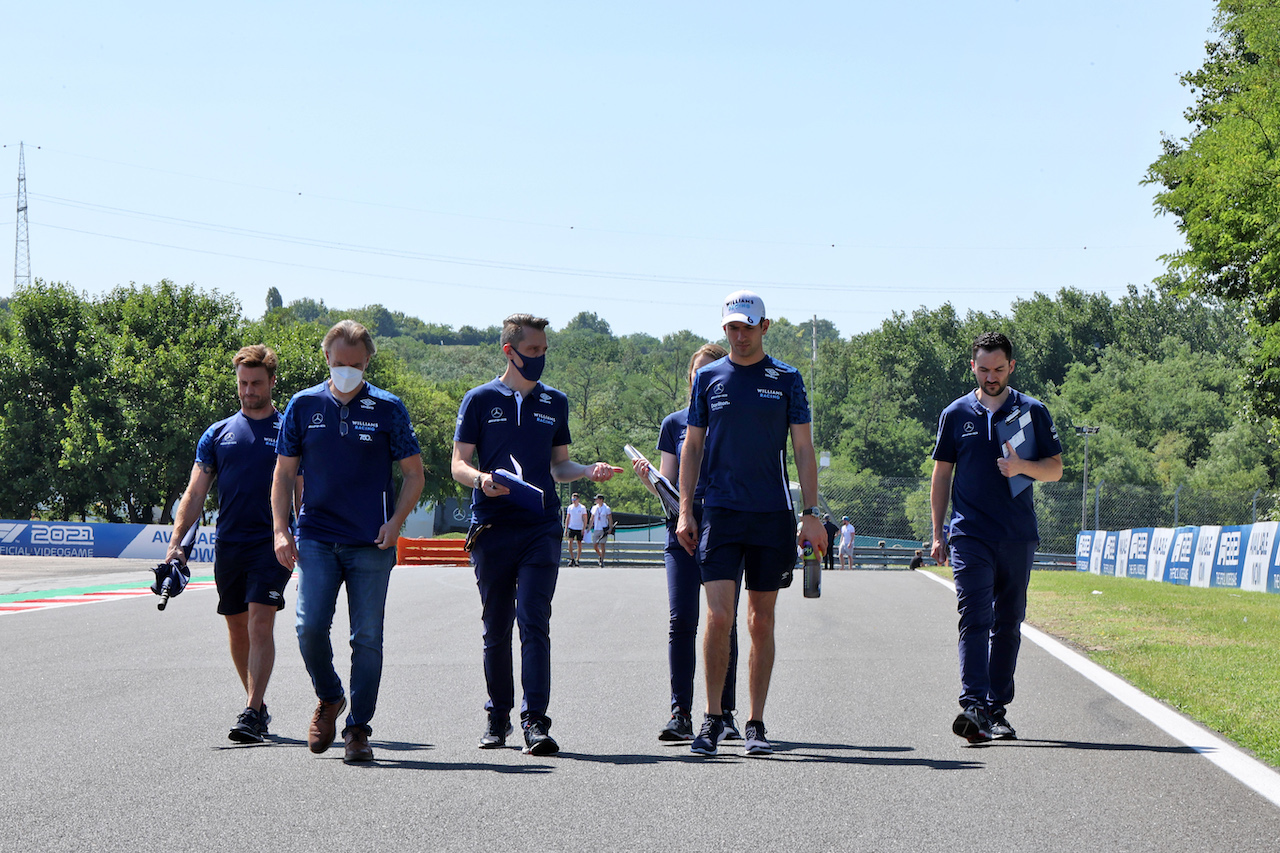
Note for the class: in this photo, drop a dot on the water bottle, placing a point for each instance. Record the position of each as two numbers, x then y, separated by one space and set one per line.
812 571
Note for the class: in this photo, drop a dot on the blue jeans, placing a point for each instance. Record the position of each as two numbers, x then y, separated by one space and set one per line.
684 599
516 571
991 594
366 570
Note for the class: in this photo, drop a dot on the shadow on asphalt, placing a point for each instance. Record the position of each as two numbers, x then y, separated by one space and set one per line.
1089 745
791 752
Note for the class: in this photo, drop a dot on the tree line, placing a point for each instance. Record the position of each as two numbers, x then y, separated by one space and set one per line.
105 398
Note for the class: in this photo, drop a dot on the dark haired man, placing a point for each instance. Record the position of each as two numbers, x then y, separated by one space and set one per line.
240 452
517 424
993 532
344 434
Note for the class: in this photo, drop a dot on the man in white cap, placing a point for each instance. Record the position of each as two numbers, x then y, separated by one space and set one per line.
743 407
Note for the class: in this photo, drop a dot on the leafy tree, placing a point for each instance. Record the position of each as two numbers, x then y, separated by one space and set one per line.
164 352
1222 181
43 360
274 300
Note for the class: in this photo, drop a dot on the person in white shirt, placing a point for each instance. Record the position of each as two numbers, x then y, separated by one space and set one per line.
575 522
846 543
601 524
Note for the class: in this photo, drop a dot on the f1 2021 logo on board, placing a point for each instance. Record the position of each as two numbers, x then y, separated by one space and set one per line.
9 532
49 534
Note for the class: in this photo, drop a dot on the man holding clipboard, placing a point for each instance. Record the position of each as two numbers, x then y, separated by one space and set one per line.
992 444
511 446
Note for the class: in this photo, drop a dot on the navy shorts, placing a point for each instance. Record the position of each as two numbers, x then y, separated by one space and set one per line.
248 572
575 534
759 545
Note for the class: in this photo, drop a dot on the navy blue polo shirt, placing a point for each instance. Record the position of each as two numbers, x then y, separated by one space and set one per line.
347 490
981 504
516 433
242 453
671 439
748 411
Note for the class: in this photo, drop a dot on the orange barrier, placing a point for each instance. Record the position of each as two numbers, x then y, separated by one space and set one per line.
431 552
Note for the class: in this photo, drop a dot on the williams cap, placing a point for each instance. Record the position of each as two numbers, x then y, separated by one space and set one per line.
742 307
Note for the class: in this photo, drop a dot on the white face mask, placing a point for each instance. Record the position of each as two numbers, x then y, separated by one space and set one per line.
346 379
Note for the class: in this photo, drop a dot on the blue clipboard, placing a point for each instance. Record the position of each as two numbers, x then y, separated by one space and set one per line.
523 493
1016 429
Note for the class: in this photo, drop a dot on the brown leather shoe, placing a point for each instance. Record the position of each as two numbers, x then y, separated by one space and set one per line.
324 725
358 748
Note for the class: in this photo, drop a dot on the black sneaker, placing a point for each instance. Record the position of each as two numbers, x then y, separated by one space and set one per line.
264 719
679 727
496 732
757 743
1000 728
706 741
730 730
536 739
247 728
973 724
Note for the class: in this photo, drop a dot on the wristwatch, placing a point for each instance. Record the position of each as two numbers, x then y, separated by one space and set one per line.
814 511
479 478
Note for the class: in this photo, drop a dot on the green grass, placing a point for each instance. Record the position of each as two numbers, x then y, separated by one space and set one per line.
1213 654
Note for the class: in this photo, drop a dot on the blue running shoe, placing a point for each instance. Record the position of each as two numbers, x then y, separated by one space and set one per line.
712 730
757 743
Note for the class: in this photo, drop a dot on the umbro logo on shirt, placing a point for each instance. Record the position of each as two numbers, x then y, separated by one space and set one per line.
771 373
367 403
544 397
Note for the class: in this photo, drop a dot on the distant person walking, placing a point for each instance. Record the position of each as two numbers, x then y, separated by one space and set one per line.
601 526
240 454
993 531
847 533
833 536
575 524
684 582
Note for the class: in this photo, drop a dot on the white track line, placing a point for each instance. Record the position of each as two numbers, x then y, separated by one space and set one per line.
1245 768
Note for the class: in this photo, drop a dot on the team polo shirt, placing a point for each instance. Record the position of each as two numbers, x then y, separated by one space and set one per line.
671 440
748 411
576 516
516 433
981 504
347 490
242 453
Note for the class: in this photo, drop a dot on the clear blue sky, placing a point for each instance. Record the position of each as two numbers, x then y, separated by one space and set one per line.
460 161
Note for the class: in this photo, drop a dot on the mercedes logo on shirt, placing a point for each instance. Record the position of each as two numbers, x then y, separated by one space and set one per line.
496 413
317 418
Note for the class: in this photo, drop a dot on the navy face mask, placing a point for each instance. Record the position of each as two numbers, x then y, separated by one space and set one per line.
533 365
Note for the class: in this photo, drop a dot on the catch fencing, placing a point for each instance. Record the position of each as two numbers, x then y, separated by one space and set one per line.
897 508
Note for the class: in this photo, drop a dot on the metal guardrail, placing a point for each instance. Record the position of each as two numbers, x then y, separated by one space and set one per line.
618 554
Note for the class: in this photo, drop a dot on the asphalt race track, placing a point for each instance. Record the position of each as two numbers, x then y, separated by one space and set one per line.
118 714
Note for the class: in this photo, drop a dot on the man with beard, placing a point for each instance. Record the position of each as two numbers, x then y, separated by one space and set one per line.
993 533
240 452
515 425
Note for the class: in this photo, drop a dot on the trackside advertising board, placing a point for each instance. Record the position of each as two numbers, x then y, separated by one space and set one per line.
1245 556
73 539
